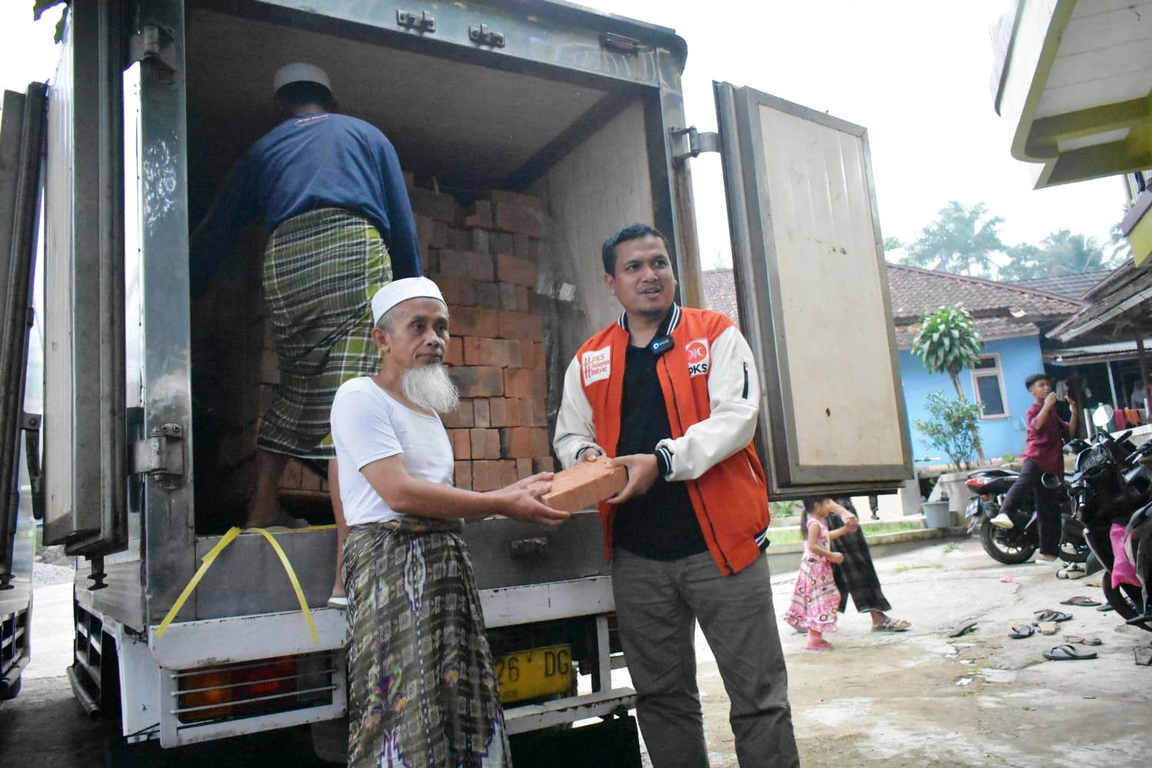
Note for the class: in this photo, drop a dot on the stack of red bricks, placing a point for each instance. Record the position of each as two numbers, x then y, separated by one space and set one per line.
483 255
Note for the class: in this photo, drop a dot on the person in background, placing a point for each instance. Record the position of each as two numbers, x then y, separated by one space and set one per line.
1044 452
815 598
330 189
422 691
672 394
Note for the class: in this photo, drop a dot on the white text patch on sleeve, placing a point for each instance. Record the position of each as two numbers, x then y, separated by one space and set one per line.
596 365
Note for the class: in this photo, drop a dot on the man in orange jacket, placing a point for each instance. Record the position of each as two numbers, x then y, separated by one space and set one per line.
672 394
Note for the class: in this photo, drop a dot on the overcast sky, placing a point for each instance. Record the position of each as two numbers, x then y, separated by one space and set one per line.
914 72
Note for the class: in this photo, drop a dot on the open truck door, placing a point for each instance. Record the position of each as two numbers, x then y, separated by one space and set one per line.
812 292
21 149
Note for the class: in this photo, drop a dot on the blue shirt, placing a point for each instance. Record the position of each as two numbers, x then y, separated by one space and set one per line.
310 161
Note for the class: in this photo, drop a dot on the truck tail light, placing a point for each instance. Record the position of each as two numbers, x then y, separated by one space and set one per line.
238 690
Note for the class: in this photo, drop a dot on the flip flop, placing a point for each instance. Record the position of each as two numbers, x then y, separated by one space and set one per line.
1048 627
1105 608
1021 632
1068 653
1080 600
1050 615
892 625
1084 639
340 602
963 628
1143 656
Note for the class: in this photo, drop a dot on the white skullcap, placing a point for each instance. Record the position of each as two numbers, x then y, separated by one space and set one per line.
299 72
401 290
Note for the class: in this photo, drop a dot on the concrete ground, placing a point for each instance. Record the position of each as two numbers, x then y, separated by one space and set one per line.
912 699
921 699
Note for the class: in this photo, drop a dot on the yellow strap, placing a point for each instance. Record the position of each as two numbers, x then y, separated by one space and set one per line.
221 545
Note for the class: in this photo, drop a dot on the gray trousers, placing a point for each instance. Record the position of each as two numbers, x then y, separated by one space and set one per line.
657 606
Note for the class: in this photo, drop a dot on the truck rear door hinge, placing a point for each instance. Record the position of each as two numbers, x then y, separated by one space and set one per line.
697 142
161 455
482 35
154 44
424 22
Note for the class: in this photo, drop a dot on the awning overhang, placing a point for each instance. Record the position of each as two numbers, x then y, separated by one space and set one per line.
1074 80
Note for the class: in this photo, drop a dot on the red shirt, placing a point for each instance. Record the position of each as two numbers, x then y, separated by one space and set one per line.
1046 442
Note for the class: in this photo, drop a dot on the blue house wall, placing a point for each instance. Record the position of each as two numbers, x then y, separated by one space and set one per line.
1018 358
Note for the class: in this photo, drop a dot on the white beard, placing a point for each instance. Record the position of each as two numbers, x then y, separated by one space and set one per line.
428 386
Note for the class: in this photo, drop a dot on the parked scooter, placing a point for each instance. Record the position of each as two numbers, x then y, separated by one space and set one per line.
1017 544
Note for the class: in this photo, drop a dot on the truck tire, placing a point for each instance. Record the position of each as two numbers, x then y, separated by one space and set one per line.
1002 550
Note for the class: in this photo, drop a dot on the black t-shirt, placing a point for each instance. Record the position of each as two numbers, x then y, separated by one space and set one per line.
661 524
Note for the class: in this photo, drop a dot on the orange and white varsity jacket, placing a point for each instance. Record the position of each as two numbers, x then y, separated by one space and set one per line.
712 395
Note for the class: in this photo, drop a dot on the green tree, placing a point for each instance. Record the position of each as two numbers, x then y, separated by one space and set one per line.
40 6
1061 253
948 342
962 240
952 428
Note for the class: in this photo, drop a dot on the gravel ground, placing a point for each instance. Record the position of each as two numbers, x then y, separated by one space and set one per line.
44 574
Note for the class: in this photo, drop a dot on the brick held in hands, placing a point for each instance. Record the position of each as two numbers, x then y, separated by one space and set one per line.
462 477
521 325
461 444
474 321
585 485
523 442
461 418
476 214
433 204
513 269
516 219
525 382
478 381
485 443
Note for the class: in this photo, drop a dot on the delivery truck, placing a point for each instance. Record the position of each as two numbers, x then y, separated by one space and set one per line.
529 131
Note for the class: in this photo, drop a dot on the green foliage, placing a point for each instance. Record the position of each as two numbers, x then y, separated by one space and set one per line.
952 428
1008 458
961 240
947 342
40 6
1061 253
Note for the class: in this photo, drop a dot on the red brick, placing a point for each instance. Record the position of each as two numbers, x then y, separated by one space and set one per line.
520 325
486 476
584 485
463 475
476 214
482 411
524 382
432 204
524 468
501 242
462 263
513 297
526 247
473 351
456 290
425 229
516 219
462 417
485 443
478 241
458 239
498 353
512 269
439 234
430 259
514 198
523 442
528 358
486 294
508 473
538 412
474 321
461 444
479 381
455 354
510 412
544 464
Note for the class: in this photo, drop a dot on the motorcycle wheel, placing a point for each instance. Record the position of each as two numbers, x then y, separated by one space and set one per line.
1126 600
1003 549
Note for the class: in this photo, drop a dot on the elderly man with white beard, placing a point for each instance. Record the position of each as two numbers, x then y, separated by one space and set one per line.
422 690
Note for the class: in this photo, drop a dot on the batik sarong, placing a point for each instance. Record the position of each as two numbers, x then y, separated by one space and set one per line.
321 269
422 691
815 598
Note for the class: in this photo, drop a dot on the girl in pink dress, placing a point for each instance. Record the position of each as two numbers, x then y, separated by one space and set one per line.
816 600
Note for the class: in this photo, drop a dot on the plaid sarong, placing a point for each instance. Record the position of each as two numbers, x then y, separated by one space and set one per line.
422 691
321 269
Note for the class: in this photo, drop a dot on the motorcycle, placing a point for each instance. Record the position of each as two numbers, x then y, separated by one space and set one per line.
1111 483
1017 544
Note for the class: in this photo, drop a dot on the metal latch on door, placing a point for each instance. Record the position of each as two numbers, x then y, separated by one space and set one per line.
697 142
155 44
161 455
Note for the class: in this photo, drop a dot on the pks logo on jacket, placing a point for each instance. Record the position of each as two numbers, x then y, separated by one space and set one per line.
596 365
699 357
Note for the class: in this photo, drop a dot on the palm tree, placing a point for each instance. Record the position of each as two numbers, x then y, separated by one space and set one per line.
961 240
948 342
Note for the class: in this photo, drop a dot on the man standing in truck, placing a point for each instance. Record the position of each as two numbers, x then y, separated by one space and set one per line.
672 394
422 690
330 189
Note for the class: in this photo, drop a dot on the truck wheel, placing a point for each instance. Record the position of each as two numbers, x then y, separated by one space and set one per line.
1005 546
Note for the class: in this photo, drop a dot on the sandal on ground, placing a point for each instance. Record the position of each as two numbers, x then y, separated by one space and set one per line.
1143 656
963 628
823 645
1084 639
1104 608
1081 600
1068 653
1071 572
892 625
1050 615
1048 627
339 602
1022 631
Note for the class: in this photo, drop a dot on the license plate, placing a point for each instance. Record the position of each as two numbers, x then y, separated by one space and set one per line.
533 673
